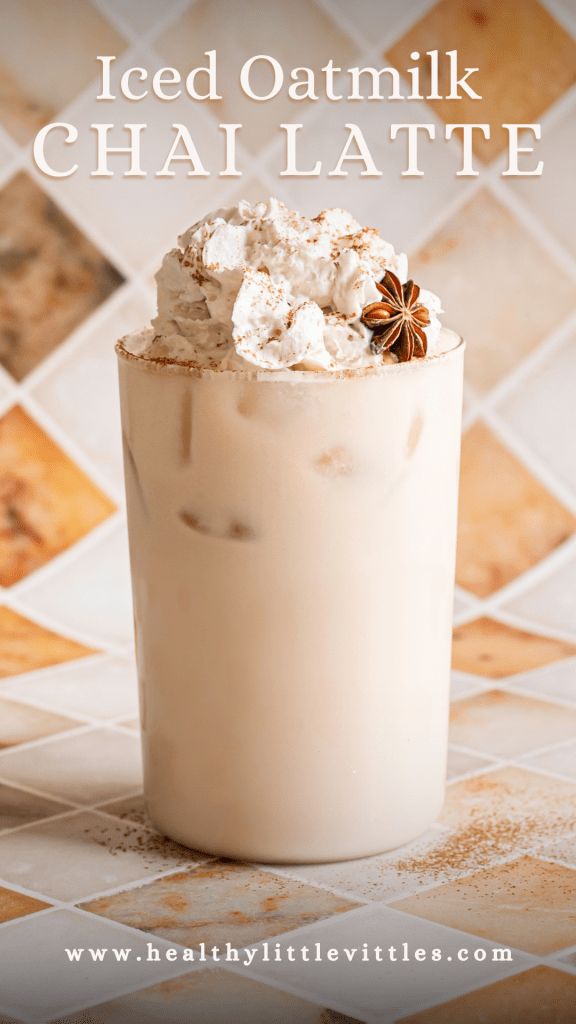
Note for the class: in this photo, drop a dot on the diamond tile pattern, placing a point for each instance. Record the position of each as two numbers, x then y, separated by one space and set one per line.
499 865
46 501
515 89
527 904
508 520
52 276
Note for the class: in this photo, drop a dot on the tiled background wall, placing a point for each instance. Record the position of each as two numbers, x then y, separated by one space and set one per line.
77 258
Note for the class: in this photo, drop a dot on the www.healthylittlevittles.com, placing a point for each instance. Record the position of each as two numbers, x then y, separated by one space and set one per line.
277 953
105 149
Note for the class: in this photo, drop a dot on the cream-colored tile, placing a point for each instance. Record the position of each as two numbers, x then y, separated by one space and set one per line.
46 60
548 389
463 685
493 649
70 858
46 502
141 15
129 808
490 36
527 904
537 996
17 807
561 761
385 877
86 768
52 276
549 196
54 987
507 520
551 601
409 202
90 593
479 259
461 763
81 393
557 681
104 687
140 218
238 32
25 646
506 725
498 813
218 903
209 997
382 991
21 723
367 17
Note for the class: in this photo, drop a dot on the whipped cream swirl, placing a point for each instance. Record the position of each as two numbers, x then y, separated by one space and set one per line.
263 286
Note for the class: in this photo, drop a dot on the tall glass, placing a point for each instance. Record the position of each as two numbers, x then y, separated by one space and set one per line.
292 544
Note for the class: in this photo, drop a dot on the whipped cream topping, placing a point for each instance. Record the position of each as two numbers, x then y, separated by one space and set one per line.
263 286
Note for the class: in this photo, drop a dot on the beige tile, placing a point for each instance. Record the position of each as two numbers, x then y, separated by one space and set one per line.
489 648
46 501
70 858
507 520
25 646
46 60
479 259
560 761
17 807
103 687
491 36
548 388
247 33
556 681
77 390
461 763
141 15
88 767
130 808
219 903
549 196
52 276
21 723
506 725
16 904
542 995
495 814
209 997
550 602
528 904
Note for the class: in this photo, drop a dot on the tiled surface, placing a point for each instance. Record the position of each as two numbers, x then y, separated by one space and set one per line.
528 904
218 903
77 257
210 997
537 996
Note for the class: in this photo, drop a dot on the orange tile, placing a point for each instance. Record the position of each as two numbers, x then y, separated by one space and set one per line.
24 645
22 723
541 995
15 904
528 904
220 902
507 520
526 61
51 277
485 647
506 724
46 502
481 261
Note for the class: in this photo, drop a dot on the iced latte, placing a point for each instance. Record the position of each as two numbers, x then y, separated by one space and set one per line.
291 443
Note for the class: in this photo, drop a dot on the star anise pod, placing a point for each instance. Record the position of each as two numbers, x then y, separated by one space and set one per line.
397 320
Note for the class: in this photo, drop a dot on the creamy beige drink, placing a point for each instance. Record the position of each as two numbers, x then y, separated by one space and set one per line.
291 490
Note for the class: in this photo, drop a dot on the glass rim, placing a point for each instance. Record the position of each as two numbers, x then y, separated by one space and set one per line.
164 365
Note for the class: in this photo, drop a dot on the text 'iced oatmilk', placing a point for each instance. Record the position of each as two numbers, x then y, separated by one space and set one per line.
291 428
